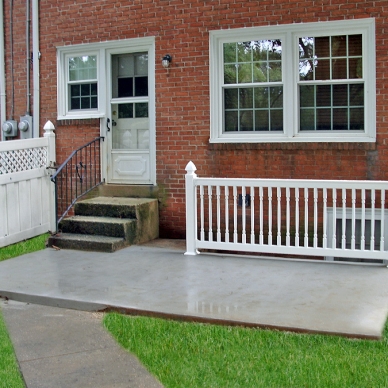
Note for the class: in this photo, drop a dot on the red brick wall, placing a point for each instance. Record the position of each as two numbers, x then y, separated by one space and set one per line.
181 28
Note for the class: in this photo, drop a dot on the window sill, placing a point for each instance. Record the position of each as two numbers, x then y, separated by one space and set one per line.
363 146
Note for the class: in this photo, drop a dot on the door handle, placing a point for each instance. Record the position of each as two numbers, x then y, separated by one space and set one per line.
107 124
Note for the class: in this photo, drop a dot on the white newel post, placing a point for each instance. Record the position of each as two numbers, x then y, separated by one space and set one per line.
51 159
191 209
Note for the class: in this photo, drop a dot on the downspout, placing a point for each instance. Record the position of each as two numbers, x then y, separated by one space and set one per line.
28 58
2 70
35 62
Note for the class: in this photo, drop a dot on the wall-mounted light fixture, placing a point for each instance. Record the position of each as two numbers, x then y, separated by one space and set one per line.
166 61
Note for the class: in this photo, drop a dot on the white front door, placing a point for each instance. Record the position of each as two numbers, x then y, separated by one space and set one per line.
129 134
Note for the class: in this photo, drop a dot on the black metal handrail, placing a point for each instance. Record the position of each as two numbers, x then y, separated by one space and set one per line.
76 176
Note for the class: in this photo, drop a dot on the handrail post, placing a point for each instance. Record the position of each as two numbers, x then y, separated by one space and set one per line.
191 210
51 160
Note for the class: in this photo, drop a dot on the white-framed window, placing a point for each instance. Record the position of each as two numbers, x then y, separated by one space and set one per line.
79 89
84 74
310 82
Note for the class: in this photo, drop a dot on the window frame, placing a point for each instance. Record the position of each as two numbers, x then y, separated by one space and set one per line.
63 97
290 34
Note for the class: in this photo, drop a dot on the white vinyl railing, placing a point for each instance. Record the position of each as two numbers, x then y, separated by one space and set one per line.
321 218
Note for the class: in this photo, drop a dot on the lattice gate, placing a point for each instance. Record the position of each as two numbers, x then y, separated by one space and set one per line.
26 192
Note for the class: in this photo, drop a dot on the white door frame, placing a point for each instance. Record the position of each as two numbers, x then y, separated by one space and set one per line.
129 46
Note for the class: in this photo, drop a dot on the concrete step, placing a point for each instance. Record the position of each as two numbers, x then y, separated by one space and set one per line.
104 226
87 242
118 207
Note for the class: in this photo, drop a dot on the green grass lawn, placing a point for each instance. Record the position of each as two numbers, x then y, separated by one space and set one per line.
10 376
193 355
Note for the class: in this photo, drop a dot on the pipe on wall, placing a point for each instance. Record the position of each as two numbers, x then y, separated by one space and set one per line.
2 71
35 63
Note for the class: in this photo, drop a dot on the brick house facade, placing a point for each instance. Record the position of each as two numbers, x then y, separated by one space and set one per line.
188 124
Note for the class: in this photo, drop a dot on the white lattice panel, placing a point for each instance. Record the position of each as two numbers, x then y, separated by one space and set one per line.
22 160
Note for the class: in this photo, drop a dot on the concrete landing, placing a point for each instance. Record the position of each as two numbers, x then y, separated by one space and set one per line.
158 279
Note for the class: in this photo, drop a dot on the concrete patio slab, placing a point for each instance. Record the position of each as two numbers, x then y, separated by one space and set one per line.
158 279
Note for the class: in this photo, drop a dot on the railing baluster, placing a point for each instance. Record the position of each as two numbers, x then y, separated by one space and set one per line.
315 243
334 237
202 211
297 216
279 216
226 214
324 237
252 192
362 245
269 215
261 232
372 221
218 214
235 236
210 212
353 239
343 243
306 217
382 221
243 216
288 216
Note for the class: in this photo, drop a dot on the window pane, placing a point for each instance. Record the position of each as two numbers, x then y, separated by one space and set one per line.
331 109
355 45
244 52
229 52
230 74
231 121
261 98
261 120
340 69
276 97
83 96
244 73
357 118
125 87
338 46
141 64
125 111
246 98
323 95
82 68
252 61
340 95
322 69
307 96
307 119
356 95
231 98
141 109
340 118
322 47
141 86
277 120
246 120
324 119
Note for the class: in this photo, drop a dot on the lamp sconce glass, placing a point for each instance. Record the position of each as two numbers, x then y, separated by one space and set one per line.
166 61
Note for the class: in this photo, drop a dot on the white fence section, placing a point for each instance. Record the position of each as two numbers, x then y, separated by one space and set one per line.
26 192
320 218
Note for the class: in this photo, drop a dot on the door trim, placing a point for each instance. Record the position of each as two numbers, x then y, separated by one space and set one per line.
130 46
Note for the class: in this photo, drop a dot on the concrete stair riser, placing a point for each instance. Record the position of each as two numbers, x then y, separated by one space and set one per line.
109 223
104 226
